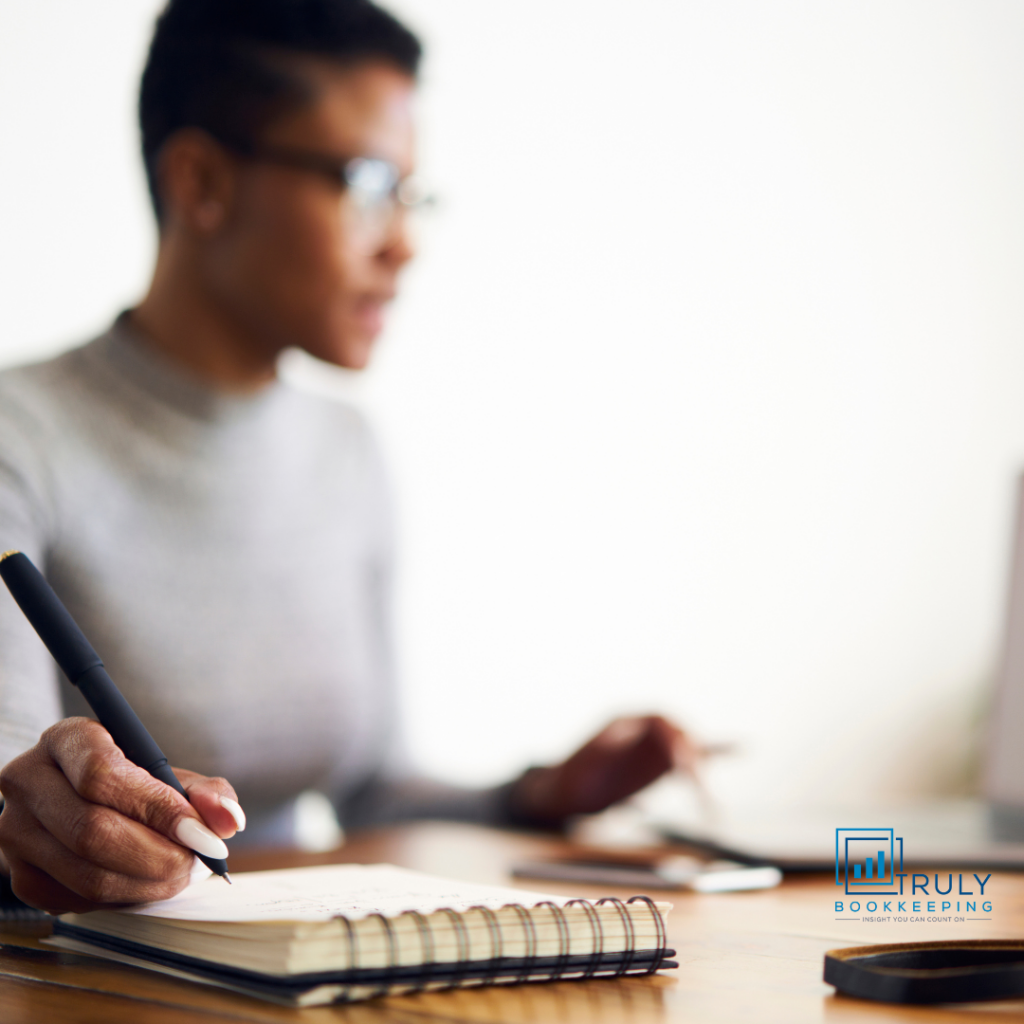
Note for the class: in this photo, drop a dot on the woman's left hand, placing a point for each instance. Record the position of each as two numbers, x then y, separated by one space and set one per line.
621 759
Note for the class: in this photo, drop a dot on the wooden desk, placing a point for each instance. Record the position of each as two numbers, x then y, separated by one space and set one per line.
743 957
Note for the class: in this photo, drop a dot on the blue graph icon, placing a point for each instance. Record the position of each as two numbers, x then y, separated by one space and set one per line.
867 861
869 867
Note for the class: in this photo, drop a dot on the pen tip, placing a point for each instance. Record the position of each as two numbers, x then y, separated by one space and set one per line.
226 877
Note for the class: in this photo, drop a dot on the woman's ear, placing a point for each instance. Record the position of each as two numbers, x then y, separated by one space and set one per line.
196 177
209 215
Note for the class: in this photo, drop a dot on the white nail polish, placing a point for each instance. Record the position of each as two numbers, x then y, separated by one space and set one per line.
196 836
234 808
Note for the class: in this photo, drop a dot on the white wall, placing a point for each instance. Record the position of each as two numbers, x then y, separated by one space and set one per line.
707 393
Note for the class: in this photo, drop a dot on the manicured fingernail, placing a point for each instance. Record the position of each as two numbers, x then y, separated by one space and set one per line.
234 808
196 836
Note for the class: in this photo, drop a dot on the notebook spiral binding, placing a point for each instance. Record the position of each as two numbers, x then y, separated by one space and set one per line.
462 938
501 969
563 935
382 988
529 935
494 928
627 924
597 930
426 944
659 925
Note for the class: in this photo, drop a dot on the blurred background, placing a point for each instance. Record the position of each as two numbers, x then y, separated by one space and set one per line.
706 394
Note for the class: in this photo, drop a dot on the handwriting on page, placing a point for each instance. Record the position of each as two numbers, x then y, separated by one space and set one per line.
318 894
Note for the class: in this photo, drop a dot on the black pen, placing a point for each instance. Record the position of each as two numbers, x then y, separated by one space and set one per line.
82 665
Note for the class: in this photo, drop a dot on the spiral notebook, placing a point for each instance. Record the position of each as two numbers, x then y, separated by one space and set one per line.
339 933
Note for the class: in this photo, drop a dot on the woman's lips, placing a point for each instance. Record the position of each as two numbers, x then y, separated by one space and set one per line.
369 314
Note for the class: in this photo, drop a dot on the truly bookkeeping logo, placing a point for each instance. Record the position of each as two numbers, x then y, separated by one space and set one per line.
869 861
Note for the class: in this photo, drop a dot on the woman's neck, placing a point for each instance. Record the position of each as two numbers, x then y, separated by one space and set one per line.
179 318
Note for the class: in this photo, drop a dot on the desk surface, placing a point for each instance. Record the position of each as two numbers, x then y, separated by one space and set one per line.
743 957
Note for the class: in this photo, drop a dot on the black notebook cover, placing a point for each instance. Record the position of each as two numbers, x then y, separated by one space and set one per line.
413 976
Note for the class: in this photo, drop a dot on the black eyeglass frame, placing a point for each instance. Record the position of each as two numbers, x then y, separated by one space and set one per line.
343 171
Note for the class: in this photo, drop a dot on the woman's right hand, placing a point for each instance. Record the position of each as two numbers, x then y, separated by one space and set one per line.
83 828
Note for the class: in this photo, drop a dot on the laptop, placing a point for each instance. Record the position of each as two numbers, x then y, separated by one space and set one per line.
982 833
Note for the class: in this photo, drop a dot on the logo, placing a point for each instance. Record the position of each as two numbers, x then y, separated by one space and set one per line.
869 861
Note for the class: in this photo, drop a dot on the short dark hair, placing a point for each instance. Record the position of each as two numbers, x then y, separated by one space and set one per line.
222 65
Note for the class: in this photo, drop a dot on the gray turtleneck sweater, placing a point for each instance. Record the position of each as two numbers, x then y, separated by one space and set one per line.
230 560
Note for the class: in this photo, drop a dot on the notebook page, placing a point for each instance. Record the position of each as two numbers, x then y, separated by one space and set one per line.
320 893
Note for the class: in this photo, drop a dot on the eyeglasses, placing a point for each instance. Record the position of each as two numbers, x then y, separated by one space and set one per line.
374 188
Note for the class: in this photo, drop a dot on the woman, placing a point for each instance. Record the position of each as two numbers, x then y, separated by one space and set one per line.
223 539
